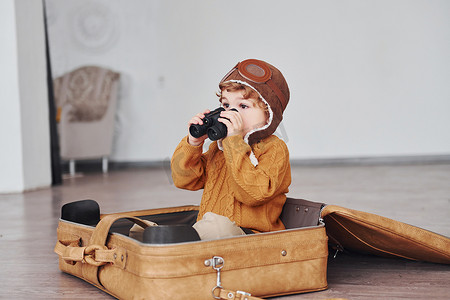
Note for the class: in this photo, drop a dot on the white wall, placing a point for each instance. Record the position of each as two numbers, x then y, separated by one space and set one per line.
367 78
24 128
11 174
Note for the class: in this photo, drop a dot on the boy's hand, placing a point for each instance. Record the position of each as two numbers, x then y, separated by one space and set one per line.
233 120
197 119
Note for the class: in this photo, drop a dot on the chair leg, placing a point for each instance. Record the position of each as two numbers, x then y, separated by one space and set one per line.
105 164
72 167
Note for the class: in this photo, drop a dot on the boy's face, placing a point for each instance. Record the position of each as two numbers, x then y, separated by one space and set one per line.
253 116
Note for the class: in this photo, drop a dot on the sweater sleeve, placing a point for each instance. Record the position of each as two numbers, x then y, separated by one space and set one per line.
188 166
260 183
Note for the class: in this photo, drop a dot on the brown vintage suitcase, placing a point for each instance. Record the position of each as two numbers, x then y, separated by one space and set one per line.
266 264
99 250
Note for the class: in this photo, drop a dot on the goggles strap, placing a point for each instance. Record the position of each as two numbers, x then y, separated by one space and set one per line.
279 94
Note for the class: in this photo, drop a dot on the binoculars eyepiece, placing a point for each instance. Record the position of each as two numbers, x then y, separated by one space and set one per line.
211 126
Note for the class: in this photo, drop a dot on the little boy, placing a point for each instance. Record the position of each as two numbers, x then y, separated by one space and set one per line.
246 175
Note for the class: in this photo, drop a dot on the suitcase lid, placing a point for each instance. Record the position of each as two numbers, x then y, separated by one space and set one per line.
373 234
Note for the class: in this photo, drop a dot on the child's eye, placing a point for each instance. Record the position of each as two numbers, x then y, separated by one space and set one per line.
225 105
243 106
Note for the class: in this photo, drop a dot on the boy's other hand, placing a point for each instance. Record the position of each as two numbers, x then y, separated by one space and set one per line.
233 120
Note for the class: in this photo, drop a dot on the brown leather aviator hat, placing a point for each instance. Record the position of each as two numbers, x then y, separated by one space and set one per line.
272 87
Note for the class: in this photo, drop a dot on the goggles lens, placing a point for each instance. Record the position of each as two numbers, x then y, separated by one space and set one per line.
255 70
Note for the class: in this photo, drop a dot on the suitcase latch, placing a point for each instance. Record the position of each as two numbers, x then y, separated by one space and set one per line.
216 263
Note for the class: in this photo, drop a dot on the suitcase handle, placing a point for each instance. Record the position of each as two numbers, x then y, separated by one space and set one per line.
101 231
96 253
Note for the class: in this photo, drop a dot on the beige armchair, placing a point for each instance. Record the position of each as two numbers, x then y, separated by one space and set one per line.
86 103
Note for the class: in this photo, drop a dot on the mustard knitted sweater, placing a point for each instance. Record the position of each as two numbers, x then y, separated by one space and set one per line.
252 196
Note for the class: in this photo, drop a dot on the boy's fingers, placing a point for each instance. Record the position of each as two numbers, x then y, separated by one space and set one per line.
230 113
234 117
194 120
224 120
197 119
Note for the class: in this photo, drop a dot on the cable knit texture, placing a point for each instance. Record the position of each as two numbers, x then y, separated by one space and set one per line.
252 196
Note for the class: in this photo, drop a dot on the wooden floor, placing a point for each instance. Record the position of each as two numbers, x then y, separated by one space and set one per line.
414 194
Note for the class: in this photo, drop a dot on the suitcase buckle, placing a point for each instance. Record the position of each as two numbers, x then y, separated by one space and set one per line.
243 293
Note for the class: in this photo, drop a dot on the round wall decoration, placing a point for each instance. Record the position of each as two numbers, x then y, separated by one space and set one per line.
94 27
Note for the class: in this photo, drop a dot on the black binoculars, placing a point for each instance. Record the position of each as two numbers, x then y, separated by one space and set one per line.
211 126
